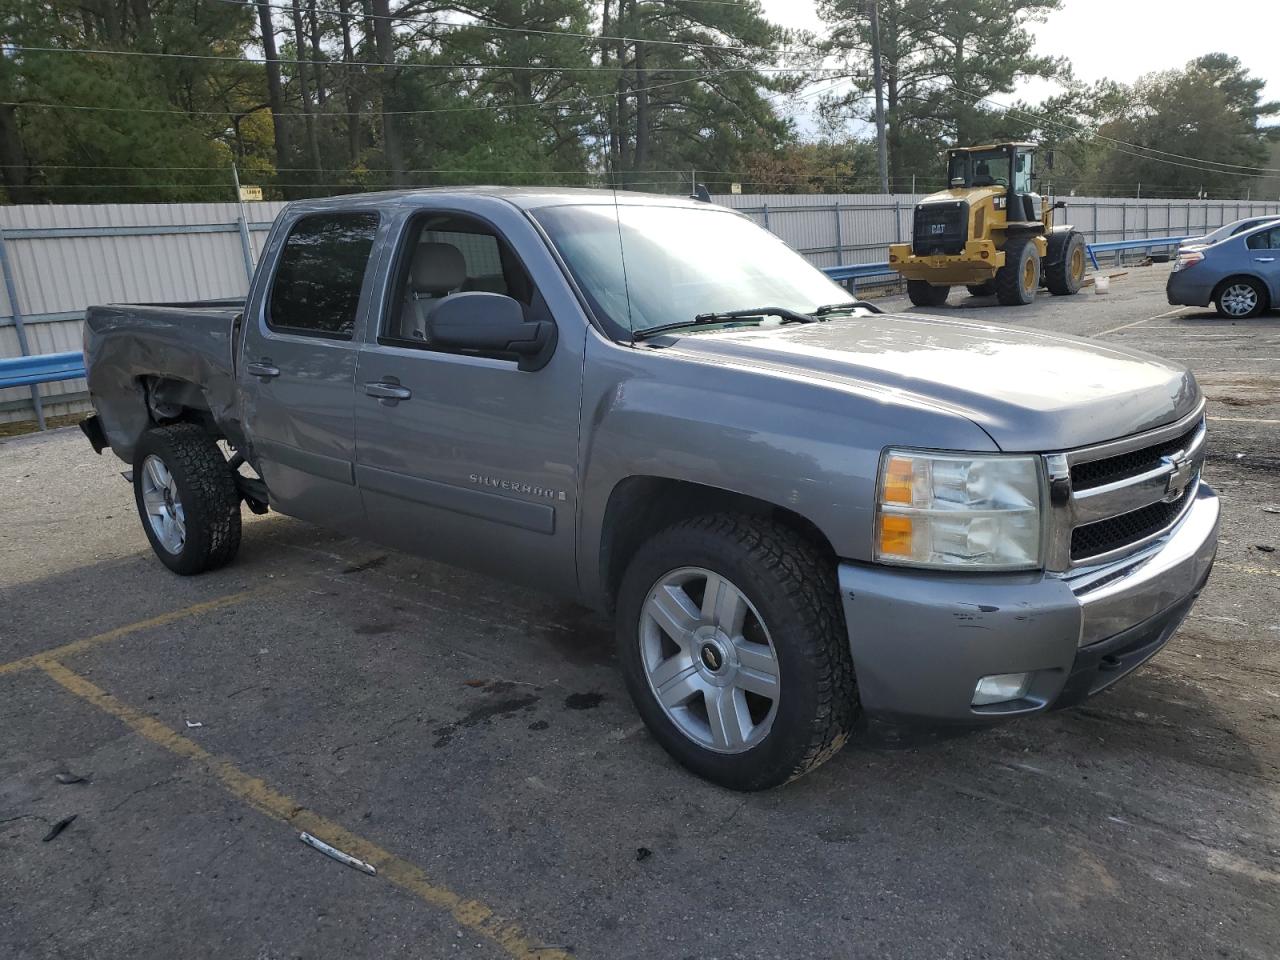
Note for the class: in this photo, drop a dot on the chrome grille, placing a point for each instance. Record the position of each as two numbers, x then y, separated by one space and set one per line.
1103 536
1110 500
1095 473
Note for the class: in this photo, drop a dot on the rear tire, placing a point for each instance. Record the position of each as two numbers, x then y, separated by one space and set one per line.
925 294
187 498
1064 263
775 613
1240 298
985 289
1019 278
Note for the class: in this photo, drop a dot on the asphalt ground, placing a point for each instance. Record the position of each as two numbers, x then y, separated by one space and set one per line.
475 743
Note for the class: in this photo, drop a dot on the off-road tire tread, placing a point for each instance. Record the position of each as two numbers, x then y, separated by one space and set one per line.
985 289
210 500
925 294
1056 267
808 578
1009 277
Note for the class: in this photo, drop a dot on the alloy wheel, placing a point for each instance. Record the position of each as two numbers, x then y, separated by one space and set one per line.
163 506
709 660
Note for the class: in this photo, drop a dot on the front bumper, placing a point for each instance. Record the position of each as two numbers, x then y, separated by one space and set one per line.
921 640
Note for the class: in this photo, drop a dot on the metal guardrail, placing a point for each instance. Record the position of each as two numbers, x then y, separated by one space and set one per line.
1143 243
853 272
43 368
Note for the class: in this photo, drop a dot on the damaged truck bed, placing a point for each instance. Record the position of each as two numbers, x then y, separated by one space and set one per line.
154 361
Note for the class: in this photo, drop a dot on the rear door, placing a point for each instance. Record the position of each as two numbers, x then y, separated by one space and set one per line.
298 364
1263 249
463 457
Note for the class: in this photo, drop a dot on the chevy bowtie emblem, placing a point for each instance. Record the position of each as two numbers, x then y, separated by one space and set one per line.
1183 468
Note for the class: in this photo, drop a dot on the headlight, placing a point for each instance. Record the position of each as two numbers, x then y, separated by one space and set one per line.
944 510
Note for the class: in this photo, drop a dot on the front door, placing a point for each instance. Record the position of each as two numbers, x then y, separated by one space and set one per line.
1264 260
298 366
462 456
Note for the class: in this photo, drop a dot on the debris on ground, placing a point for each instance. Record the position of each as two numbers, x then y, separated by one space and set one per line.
196 723
58 827
1264 547
337 854
66 776
643 854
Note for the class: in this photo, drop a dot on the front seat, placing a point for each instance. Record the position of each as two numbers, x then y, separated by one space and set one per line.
982 175
437 270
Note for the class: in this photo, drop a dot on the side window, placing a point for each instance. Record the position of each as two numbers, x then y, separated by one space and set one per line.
1022 174
316 289
1265 240
443 255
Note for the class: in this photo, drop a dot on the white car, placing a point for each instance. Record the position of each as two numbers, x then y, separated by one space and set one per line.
1225 231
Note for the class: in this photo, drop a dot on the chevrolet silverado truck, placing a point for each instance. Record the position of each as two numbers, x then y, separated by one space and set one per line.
806 517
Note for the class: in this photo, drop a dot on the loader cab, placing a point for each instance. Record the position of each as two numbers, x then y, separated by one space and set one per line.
1010 166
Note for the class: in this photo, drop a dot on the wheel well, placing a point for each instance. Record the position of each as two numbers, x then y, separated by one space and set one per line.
639 507
170 400
1256 281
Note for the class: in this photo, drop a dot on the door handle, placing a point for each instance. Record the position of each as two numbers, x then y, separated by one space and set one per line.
263 369
1265 259
388 392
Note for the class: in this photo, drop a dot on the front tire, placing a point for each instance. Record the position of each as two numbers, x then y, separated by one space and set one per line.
925 294
1019 278
186 498
984 289
734 650
1240 298
1064 269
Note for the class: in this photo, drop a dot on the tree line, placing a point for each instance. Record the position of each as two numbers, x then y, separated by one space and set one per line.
128 100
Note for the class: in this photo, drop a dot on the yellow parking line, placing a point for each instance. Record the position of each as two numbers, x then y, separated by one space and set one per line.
79 646
471 914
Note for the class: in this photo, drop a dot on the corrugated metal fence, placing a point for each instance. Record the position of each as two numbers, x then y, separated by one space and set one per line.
832 230
63 258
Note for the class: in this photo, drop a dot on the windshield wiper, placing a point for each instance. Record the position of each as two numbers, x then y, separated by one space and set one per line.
832 308
702 319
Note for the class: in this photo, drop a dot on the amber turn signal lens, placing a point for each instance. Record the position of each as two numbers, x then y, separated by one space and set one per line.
898 480
895 536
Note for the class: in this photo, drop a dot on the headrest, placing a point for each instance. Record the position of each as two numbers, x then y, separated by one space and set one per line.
437 268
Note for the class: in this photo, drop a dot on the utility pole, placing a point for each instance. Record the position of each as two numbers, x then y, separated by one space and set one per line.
882 152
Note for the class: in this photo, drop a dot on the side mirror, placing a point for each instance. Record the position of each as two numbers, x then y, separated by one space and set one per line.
492 323
1060 205
1048 160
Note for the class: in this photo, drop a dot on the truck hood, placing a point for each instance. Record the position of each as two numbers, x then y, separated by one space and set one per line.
1029 391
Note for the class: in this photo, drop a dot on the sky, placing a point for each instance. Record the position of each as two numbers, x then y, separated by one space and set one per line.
1123 39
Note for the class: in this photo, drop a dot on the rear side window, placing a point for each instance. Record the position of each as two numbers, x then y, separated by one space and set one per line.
316 289
1265 240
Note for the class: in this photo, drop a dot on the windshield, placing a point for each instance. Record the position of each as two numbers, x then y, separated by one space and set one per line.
981 168
642 266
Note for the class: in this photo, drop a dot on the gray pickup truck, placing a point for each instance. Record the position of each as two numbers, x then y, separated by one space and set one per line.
806 516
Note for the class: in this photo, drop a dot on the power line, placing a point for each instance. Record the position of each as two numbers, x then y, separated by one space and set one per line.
494 28
536 68
1033 120
363 113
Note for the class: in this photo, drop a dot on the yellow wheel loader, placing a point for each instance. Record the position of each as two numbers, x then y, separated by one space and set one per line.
990 231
